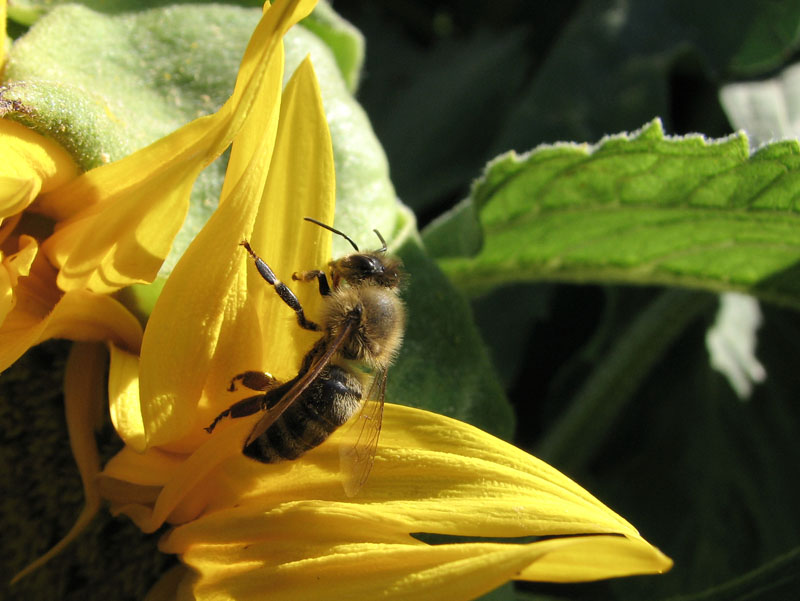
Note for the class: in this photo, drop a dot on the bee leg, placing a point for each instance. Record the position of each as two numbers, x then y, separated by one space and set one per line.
254 380
243 408
283 291
307 276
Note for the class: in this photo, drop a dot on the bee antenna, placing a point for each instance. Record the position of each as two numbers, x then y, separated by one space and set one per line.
382 249
334 230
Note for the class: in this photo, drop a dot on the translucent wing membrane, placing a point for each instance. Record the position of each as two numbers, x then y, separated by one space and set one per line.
357 453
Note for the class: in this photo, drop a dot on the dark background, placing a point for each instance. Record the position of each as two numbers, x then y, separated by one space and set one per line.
706 477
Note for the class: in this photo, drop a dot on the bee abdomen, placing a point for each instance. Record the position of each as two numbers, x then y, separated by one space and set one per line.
327 404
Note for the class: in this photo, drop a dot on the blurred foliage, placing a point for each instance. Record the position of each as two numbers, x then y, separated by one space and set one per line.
707 477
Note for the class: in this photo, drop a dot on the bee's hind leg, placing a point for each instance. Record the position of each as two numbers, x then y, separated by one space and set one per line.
254 380
243 408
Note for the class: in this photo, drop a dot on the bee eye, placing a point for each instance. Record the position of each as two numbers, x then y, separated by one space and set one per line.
366 265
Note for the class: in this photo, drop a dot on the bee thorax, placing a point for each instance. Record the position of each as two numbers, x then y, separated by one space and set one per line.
378 335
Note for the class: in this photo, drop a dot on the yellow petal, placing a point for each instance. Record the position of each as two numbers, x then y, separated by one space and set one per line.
7 228
13 267
41 313
29 164
237 558
291 526
83 400
117 242
585 558
123 396
216 317
432 475
152 468
136 205
177 479
428 468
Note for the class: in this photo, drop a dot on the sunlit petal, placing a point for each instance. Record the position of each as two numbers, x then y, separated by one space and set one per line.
388 570
221 331
584 558
291 525
244 521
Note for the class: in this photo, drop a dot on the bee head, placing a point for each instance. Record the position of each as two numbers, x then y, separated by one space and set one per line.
365 267
369 268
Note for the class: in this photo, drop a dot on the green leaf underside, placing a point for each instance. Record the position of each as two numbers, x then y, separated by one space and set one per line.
344 40
128 80
640 209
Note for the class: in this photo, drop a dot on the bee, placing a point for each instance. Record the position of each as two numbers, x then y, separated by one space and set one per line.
344 373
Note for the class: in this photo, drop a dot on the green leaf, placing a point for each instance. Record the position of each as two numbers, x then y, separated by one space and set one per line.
115 84
443 365
344 40
638 209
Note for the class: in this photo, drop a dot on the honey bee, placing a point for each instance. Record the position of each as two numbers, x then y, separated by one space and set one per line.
362 324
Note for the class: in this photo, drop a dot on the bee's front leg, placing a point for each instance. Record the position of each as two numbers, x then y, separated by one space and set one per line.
307 276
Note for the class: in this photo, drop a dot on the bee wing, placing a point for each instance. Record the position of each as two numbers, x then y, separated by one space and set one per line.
357 452
303 382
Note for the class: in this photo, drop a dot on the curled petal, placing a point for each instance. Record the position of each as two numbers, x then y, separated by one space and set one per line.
120 219
123 396
41 313
13 267
31 164
176 485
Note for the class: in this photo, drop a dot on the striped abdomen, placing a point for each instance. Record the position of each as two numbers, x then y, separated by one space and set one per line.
330 400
